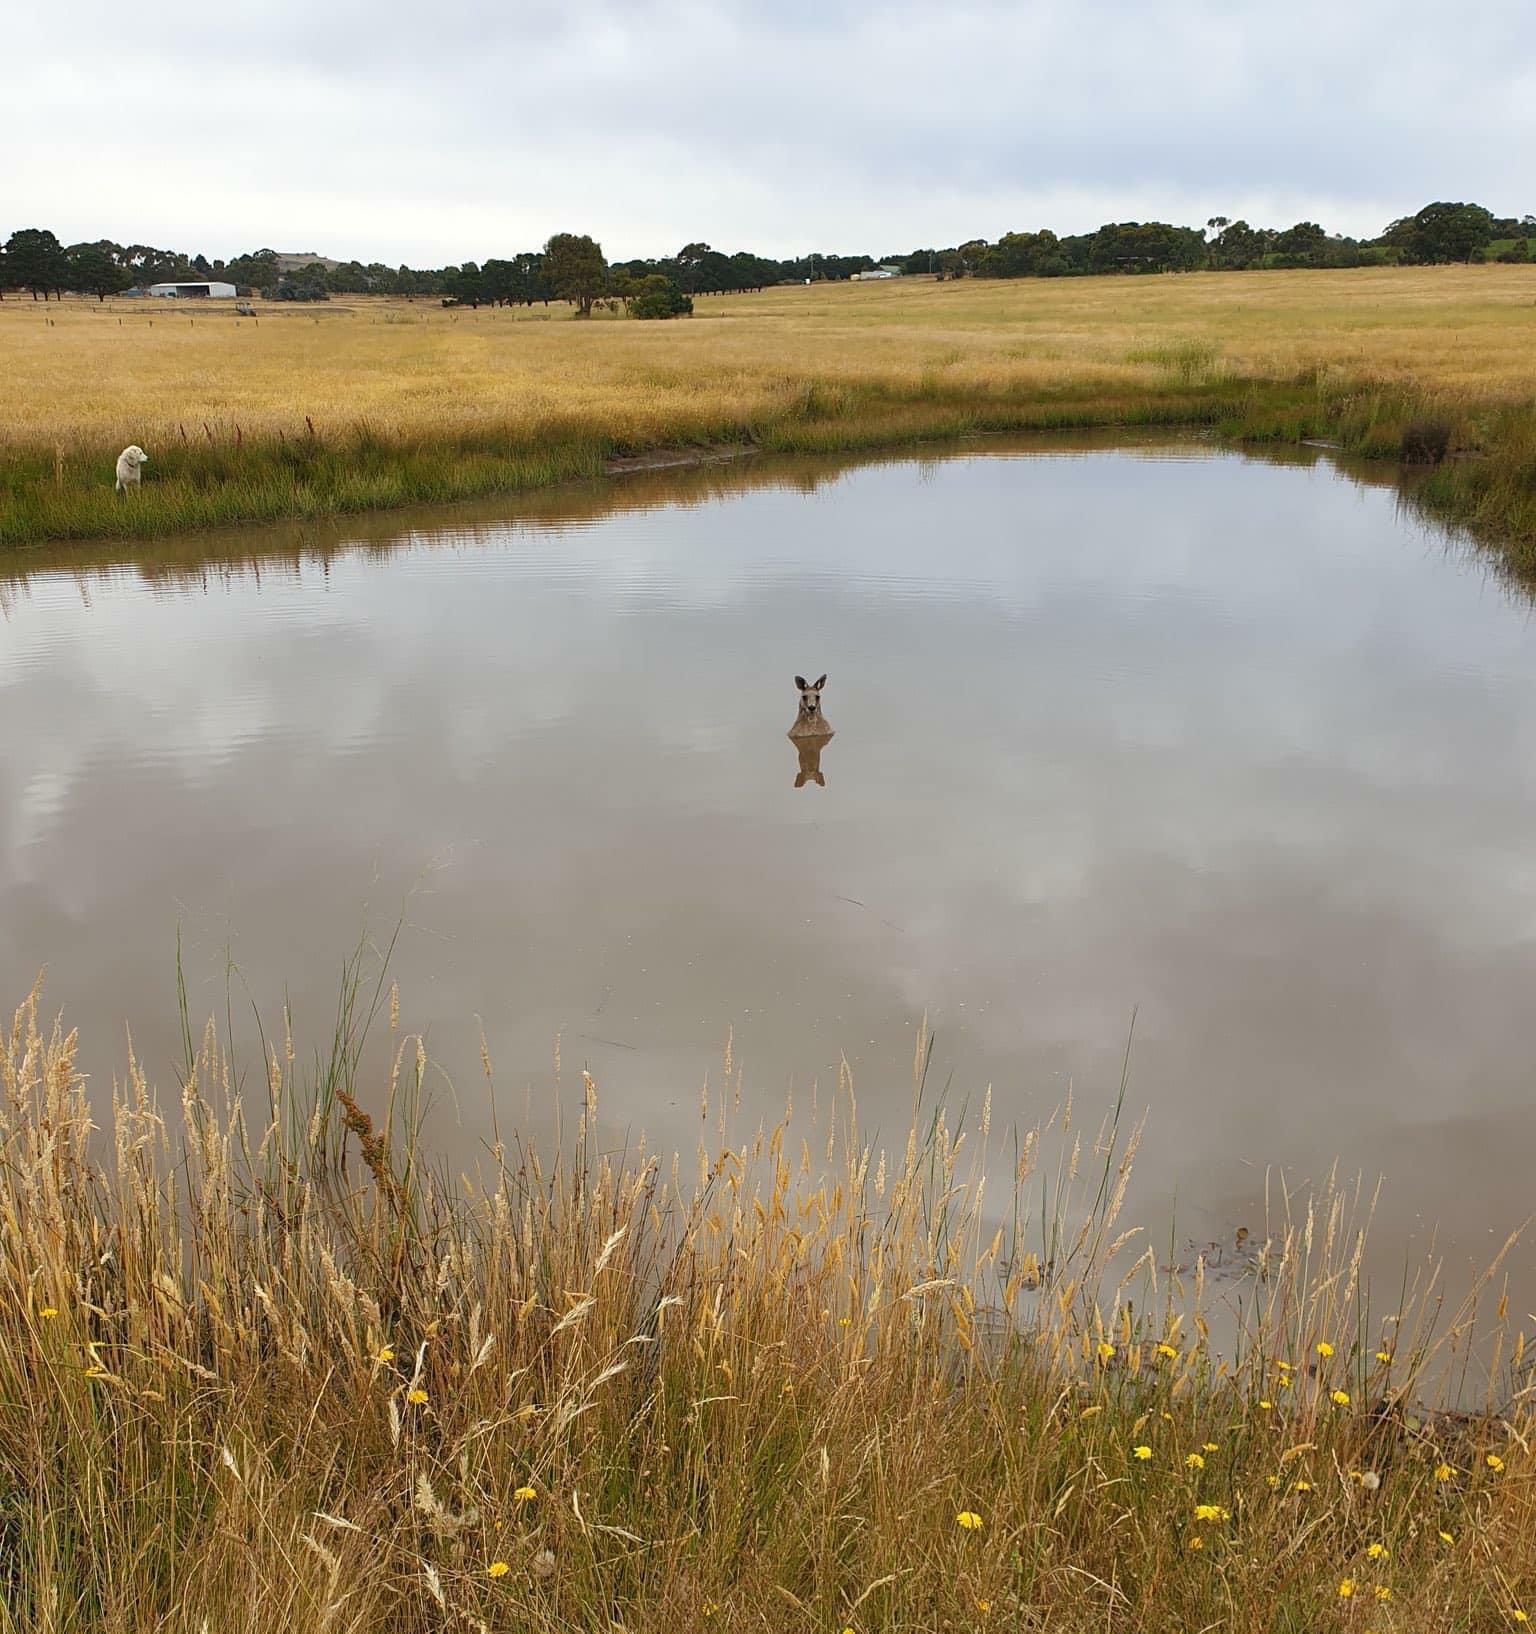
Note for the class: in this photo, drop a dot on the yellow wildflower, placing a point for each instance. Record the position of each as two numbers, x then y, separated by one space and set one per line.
1302 1486
1167 1350
968 1520
1284 1381
1447 1537
95 1371
1210 1446
1106 1351
384 1354
1382 1592
524 1495
497 1568
1272 1480
48 1312
1265 1404
1211 1512
1519 1616
1495 1463
711 1607
983 1606
1384 1357
1143 1453
1325 1350
1443 1472
1378 1551
416 1397
1194 1460
1341 1398
844 1321
1346 1588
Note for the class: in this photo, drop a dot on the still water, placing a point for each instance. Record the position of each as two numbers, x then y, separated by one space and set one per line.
1238 745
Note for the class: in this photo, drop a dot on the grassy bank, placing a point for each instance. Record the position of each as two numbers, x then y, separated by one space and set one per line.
373 404
261 1363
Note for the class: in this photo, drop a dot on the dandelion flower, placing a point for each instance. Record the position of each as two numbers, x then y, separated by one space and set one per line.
1194 1460
48 1312
1211 1512
1285 1381
416 1397
1378 1551
711 1607
1382 1592
1443 1472
1210 1446
1519 1616
1302 1486
1272 1480
1265 1404
1384 1357
1341 1398
1325 1350
844 1321
1143 1453
384 1354
1371 1481
524 1495
544 1563
1346 1588
968 1520
1106 1351
1167 1350
983 1606
497 1568
1447 1537
1495 1463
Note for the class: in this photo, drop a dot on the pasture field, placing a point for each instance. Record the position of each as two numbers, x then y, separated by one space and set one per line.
357 404
261 1365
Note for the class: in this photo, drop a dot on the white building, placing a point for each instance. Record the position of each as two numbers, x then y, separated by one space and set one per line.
204 289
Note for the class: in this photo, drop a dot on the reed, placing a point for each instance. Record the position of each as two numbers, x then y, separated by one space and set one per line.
262 1362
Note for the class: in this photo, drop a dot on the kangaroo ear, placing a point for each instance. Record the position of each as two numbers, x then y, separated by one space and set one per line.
820 684
800 682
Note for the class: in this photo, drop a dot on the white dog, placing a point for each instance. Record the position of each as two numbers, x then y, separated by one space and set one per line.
128 463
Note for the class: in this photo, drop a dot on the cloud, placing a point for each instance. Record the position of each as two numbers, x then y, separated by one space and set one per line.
388 132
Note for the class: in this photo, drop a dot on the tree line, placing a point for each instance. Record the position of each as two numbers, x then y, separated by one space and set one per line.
572 267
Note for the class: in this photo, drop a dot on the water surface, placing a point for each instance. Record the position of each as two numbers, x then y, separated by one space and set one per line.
1232 743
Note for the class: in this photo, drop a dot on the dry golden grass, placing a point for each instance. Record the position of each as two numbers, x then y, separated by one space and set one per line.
304 412
260 1366
132 371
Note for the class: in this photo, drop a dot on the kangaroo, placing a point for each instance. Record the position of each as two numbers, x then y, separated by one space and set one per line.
810 722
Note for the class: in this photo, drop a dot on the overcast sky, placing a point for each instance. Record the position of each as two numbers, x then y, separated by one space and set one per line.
435 132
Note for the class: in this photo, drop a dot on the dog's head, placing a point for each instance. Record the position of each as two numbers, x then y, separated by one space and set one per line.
133 455
810 697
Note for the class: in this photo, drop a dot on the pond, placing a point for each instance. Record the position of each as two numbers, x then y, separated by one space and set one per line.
1231 743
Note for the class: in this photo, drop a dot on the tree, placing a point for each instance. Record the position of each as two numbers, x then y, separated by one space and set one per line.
656 296
256 270
577 270
1303 244
35 260
1441 232
93 270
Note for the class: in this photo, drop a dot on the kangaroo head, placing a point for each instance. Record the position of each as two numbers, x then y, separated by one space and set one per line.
810 697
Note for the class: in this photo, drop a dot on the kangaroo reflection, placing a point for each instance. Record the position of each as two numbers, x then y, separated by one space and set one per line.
810 734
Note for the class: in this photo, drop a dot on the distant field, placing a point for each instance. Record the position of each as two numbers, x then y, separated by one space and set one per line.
395 401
